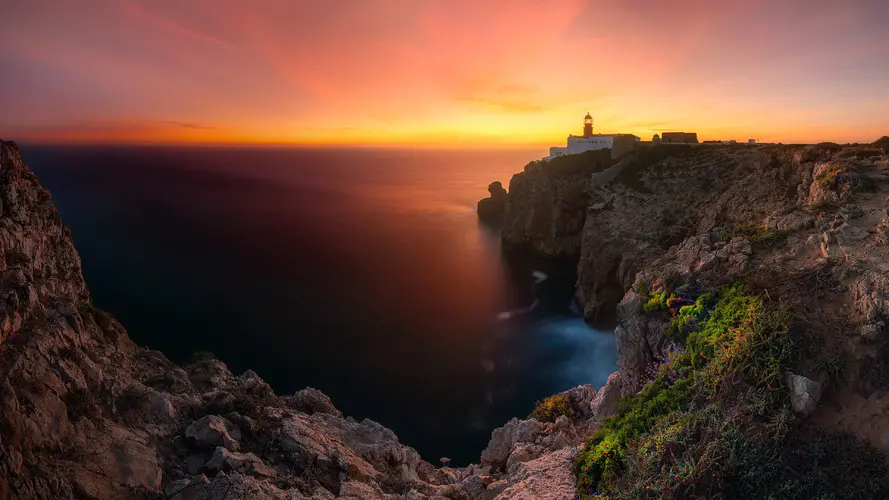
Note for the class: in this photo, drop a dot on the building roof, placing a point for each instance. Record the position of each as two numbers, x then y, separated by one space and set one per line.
602 135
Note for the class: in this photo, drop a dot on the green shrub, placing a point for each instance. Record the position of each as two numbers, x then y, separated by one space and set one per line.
715 419
601 457
657 300
835 178
552 408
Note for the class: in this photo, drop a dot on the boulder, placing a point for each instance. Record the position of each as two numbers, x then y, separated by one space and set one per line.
832 185
504 438
804 394
474 486
310 400
118 457
234 486
254 384
211 431
607 399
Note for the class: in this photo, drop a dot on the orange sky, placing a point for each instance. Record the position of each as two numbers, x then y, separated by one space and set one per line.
441 72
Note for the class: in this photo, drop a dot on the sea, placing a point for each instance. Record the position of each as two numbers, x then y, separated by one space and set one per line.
362 272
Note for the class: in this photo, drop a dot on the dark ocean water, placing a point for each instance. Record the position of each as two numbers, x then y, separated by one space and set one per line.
361 272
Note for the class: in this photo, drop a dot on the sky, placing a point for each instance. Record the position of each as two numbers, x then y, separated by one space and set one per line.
441 72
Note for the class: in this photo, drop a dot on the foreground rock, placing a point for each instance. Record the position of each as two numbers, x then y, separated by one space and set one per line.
804 394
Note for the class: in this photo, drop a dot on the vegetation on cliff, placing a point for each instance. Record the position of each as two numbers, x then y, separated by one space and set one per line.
716 416
552 408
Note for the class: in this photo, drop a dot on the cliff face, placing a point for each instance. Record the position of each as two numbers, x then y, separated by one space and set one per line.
85 413
547 202
617 220
804 225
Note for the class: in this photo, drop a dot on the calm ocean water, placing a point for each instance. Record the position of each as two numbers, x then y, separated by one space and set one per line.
361 272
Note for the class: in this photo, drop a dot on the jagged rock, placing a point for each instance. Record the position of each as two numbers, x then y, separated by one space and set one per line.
832 185
161 407
639 342
254 384
607 400
211 431
550 477
178 381
234 486
504 438
247 463
580 398
495 489
870 296
242 421
474 486
804 394
352 490
310 400
796 220
317 438
494 206
523 452
176 486
210 375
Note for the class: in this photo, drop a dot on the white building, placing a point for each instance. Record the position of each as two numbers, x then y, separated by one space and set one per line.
588 141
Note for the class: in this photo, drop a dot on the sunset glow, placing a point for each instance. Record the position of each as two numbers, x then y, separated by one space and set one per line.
442 72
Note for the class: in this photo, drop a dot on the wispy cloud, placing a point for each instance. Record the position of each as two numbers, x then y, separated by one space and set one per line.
194 126
494 95
146 15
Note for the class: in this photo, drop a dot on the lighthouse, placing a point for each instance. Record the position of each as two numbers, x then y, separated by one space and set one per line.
587 125
619 144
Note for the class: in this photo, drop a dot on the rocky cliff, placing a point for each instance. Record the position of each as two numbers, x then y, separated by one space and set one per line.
804 229
85 413
618 219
